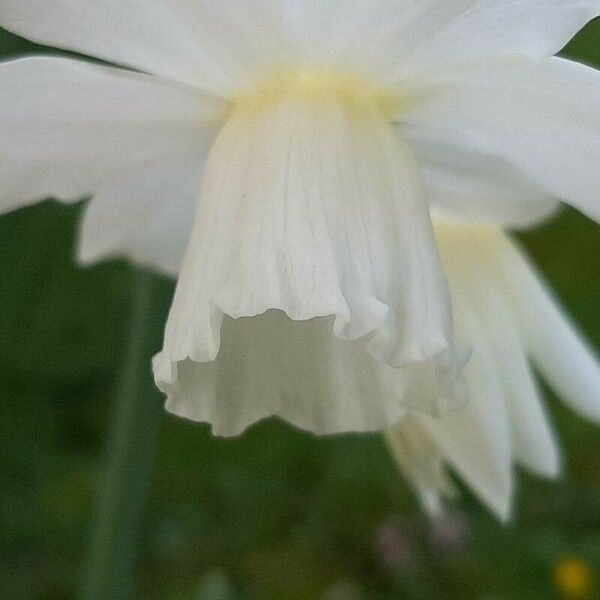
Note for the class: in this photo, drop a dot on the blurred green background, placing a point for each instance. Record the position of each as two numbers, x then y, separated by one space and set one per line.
276 514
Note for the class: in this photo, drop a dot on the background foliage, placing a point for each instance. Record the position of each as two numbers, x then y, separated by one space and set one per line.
276 514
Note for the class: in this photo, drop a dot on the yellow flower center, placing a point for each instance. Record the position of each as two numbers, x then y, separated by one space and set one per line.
313 87
574 578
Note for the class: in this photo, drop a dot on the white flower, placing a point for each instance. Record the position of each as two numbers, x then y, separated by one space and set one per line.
309 139
505 313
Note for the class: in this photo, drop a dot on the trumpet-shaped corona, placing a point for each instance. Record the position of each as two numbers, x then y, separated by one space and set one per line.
311 205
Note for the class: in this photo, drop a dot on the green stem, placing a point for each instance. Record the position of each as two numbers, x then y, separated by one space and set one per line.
131 449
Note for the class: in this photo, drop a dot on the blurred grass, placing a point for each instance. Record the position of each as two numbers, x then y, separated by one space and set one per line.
276 514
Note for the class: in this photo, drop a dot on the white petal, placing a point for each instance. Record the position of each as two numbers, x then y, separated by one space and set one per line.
69 128
314 213
297 370
373 36
146 215
390 38
532 440
200 42
452 31
423 464
542 118
363 35
467 440
553 341
475 439
466 184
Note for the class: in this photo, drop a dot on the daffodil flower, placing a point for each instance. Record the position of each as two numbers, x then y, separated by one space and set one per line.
505 313
309 139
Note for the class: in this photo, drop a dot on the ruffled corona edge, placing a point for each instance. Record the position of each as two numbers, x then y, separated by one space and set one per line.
271 365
